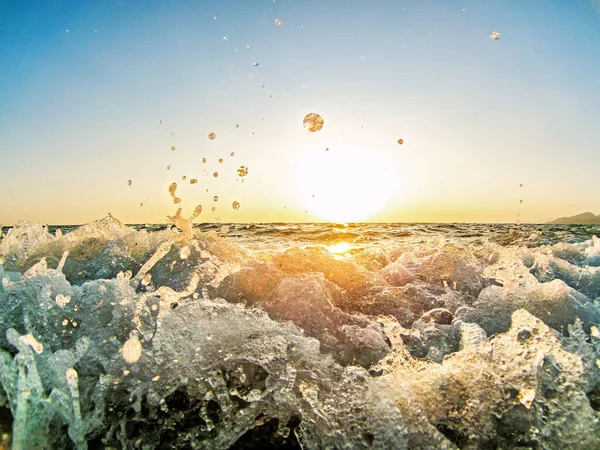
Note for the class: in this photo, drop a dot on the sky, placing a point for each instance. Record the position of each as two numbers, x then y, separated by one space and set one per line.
96 93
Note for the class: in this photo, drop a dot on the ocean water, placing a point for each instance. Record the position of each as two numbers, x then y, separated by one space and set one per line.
300 336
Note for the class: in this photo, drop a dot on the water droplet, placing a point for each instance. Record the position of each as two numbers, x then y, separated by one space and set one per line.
232 154
262 85
213 209
212 136
216 198
193 180
235 205
495 35
255 64
159 121
313 122
242 171
176 200
183 178
277 22
521 185
141 204
220 160
237 125
197 211
132 350
203 160
400 141
225 38
129 182
520 201
172 147
216 174
169 167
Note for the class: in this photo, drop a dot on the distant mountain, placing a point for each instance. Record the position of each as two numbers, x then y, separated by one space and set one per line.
587 218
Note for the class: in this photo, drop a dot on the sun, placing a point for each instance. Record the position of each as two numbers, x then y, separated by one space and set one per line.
345 185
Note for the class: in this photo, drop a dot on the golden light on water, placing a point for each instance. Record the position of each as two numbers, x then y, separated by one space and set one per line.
348 185
340 248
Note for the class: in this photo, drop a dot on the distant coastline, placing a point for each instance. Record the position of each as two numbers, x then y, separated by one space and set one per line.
586 218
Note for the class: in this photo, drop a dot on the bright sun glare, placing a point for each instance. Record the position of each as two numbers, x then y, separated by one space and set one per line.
345 185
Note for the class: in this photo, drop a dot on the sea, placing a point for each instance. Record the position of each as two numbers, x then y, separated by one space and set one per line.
299 336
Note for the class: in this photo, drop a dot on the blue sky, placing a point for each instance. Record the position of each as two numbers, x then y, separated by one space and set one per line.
83 86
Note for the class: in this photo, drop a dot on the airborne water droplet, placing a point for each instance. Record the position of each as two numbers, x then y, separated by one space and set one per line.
216 174
242 171
212 136
255 64
235 205
220 160
129 182
203 160
400 141
216 198
313 122
495 35
277 22
172 147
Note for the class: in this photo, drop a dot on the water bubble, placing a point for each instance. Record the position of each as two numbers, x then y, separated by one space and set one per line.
212 136
203 160
159 121
216 198
262 85
313 122
141 204
232 154
129 182
193 180
242 171
327 149
169 167
216 174
213 209
255 64
183 178
172 147
225 38
235 205
495 35
277 22
237 125
400 141
520 201
521 185
220 160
